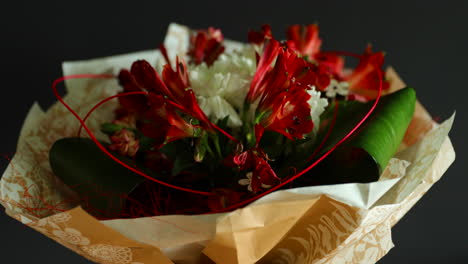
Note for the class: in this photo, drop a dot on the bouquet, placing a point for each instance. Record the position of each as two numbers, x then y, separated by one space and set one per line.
208 150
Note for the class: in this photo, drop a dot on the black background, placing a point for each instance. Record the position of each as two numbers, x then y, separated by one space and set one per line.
424 40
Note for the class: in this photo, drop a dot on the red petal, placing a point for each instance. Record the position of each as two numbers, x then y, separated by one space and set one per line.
304 39
259 130
206 46
258 37
134 103
264 65
264 173
147 77
364 80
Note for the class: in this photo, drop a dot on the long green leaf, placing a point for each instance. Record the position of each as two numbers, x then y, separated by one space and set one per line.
96 178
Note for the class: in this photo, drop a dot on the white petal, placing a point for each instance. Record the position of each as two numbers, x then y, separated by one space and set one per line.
244 182
177 41
217 108
317 107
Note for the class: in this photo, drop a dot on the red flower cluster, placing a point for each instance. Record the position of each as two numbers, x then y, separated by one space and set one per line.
206 46
305 40
281 91
168 98
363 81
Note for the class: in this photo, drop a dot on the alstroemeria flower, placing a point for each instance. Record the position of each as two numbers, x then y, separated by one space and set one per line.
164 118
125 143
305 40
281 91
206 46
167 98
260 174
259 37
364 80
174 86
289 115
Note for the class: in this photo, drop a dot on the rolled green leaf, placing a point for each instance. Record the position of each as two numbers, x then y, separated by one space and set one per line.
367 152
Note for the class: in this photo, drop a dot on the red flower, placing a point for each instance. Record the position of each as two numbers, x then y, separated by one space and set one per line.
281 91
259 37
174 87
206 46
364 80
163 118
136 104
290 115
255 161
269 55
159 111
305 40
124 143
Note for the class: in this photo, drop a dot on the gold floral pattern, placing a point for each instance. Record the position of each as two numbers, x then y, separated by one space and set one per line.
108 254
71 236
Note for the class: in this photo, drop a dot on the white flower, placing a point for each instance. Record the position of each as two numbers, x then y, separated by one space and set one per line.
221 89
317 106
218 108
335 87
248 182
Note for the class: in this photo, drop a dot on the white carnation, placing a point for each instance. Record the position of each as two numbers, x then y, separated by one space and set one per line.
221 89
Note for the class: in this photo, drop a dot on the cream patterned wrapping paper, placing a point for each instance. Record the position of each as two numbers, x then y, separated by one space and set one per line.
346 223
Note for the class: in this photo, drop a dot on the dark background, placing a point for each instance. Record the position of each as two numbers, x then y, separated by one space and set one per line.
424 40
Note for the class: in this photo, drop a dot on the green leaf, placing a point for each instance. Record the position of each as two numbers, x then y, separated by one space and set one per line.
110 128
366 153
181 152
182 162
95 177
146 143
201 147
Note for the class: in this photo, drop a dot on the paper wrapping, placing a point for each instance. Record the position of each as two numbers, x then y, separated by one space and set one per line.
344 223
